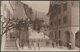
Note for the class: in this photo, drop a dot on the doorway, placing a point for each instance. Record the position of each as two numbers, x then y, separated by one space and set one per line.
68 41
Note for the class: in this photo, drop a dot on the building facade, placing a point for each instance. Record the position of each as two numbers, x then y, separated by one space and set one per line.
64 22
12 10
6 12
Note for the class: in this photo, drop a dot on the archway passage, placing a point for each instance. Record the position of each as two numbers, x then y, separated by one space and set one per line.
68 39
77 39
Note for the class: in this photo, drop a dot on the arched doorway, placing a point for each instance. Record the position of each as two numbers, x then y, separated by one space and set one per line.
77 39
60 43
68 39
67 36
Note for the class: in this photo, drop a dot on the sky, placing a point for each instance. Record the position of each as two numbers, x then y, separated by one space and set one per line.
42 6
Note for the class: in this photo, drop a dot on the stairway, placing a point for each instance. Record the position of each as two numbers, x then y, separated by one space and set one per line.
10 45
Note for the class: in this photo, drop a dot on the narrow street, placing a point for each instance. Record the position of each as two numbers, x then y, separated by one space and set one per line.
46 48
40 26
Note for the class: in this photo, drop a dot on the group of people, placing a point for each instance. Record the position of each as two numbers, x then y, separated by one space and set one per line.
30 37
35 37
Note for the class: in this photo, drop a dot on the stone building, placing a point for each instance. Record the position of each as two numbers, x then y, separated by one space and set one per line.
64 22
12 10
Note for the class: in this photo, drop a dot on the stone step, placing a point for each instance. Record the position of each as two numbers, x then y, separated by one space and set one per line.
11 50
10 47
13 44
10 42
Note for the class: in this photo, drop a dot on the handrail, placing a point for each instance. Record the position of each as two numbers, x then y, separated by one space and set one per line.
17 44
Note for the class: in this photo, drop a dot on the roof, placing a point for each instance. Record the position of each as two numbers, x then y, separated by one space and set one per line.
53 5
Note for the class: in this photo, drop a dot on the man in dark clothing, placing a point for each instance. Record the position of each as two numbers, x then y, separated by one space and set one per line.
69 45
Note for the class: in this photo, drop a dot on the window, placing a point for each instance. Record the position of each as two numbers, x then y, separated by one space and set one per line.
65 7
51 23
55 34
72 3
59 10
76 36
65 20
51 35
55 22
54 13
17 2
51 17
59 22
59 33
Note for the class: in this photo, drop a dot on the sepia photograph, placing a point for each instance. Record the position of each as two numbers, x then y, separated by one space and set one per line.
40 26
